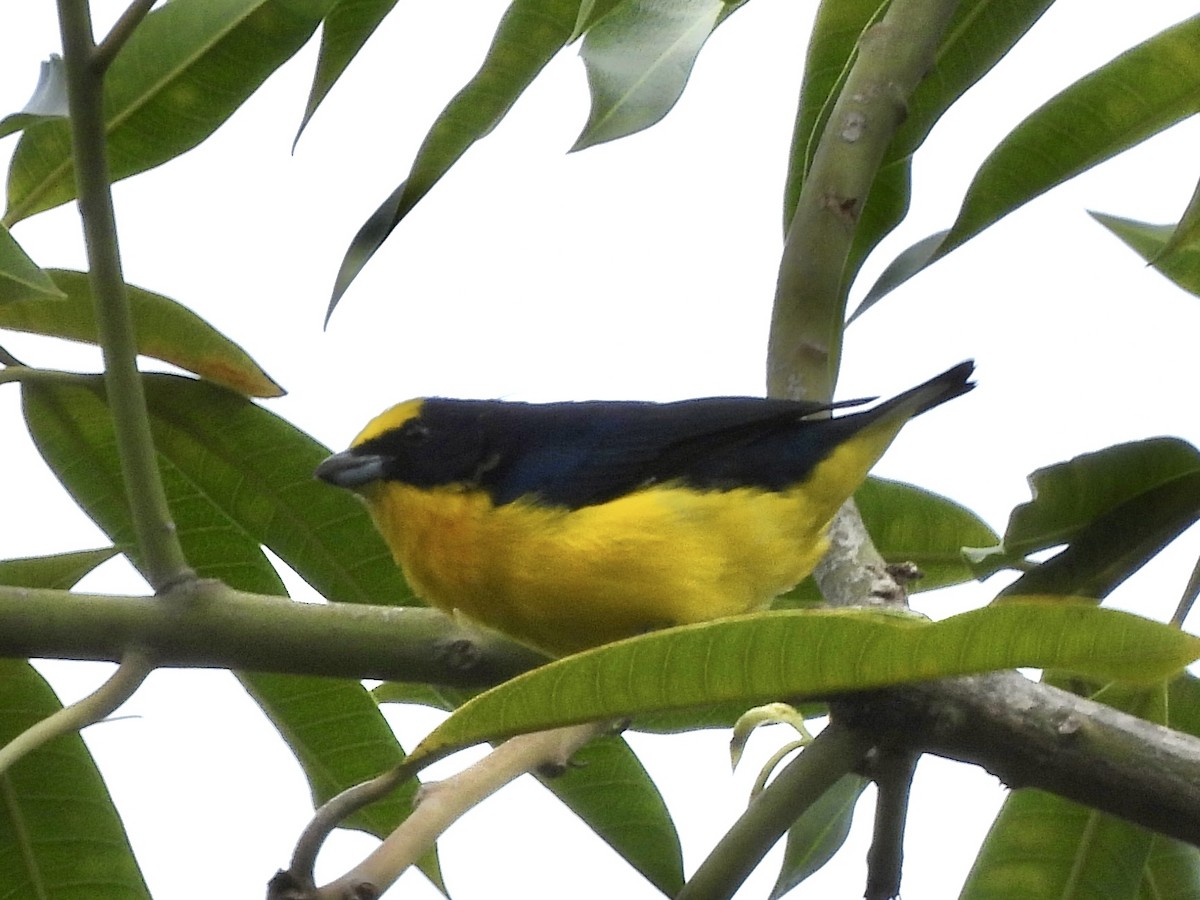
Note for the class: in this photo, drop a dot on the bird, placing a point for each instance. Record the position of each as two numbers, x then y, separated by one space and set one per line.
565 526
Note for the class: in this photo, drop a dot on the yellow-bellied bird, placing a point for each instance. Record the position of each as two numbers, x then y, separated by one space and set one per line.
568 525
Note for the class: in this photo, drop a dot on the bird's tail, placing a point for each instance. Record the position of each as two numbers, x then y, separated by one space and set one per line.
952 383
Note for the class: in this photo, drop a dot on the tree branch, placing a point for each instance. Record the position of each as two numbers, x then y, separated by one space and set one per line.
165 564
222 628
1035 735
805 345
892 772
439 805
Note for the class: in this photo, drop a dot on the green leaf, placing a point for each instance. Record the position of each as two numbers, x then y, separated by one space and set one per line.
910 524
819 833
49 100
1070 496
794 653
1136 95
591 12
529 35
237 471
607 786
346 28
76 842
59 571
164 329
1172 871
186 68
638 59
1117 543
20 277
899 270
1044 846
1187 232
60 835
1180 264
236 477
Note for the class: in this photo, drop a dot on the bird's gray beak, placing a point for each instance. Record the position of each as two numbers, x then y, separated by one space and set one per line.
350 469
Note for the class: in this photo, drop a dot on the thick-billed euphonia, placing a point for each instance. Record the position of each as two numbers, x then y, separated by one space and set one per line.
568 525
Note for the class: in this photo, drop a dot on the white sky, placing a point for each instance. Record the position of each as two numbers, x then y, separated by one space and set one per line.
643 268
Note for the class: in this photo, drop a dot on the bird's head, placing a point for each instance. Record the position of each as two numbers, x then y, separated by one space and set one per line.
424 443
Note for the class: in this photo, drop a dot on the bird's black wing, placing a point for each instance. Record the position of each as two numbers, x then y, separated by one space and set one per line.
579 454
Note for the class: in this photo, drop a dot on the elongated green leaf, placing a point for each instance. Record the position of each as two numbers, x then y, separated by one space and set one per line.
346 28
1187 232
819 833
529 35
20 277
49 100
1070 496
1143 91
638 59
1151 242
1116 544
1044 846
899 270
1172 871
794 653
236 476
187 67
241 472
608 787
60 571
591 12
76 842
909 524
164 329
60 835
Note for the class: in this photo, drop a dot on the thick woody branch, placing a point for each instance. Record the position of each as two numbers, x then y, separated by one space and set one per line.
1034 735
216 627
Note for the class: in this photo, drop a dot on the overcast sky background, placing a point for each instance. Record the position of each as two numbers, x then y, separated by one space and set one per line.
640 269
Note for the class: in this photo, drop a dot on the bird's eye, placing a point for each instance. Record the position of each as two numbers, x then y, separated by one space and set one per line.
415 432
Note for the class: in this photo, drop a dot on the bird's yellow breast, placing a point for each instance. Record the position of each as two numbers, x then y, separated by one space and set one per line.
565 579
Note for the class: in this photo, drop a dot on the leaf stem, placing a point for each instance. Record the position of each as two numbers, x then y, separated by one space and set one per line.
165 564
108 48
91 709
835 752
439 805
1188 600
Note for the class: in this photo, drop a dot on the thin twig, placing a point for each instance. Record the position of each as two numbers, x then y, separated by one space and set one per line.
835 752
108 48
91 709
439 806
1190 593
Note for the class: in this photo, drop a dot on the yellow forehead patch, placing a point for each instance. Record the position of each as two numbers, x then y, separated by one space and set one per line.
389 419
